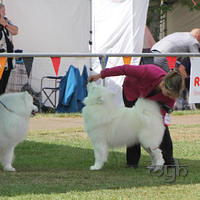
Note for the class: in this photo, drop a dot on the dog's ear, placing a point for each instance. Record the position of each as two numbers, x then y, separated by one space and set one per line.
23 96
90 86
99 100
27 98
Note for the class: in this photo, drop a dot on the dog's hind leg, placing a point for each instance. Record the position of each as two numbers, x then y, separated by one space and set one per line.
153 159
158 158
7 158
101 155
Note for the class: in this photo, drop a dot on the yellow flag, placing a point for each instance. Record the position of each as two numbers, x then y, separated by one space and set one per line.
2 65
127 60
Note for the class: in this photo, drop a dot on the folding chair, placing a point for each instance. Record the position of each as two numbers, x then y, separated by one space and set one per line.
49 93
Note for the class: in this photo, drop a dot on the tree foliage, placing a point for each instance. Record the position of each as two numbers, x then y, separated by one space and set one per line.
168 4
156 12
190 4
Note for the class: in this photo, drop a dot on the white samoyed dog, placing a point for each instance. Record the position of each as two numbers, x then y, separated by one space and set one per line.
15 111
109 125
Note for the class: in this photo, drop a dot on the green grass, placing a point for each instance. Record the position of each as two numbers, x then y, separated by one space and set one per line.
185 112
54 165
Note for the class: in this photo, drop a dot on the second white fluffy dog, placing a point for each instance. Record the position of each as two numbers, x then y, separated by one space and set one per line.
109 125
15 111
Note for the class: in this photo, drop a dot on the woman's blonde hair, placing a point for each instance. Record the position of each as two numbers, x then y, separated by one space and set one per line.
174 82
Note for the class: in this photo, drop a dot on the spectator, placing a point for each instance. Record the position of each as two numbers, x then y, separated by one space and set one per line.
7 29
179 42
182 102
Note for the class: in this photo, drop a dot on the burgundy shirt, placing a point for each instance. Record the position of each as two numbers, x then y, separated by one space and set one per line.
140 80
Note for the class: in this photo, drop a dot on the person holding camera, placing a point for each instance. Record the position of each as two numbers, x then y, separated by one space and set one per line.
7 30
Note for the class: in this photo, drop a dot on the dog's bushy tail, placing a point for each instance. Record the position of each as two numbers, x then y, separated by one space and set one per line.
148 110
152 120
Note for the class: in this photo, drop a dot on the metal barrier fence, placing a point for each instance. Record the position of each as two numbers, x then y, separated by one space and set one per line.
103 56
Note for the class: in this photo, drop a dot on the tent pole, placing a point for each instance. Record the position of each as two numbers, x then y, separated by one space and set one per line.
162 22
103 66
90 32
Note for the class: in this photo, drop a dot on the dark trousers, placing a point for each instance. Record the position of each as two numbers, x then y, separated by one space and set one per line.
4 80
133 153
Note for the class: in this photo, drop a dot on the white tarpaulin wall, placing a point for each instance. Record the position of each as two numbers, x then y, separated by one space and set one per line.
118 27
51 26
64 26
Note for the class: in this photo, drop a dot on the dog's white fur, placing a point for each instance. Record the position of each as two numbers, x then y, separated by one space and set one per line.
14 120
109 125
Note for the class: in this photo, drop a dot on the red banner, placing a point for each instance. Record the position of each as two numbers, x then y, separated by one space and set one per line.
56 64
171 62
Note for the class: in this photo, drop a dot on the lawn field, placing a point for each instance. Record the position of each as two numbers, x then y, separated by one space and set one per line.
53 164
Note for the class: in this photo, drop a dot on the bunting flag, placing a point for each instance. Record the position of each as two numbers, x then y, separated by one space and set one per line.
127 60
28 62
2 65
171 62
56 64
103 60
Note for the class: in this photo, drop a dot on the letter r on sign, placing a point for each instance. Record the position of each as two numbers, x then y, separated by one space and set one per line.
196 81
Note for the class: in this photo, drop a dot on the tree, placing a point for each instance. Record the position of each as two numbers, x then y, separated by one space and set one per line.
158 11
168 4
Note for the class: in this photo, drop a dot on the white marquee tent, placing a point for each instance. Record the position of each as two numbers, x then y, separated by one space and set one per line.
119 27
65 27
50 26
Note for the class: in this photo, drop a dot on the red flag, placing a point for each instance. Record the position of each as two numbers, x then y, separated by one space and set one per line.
171 62
56 64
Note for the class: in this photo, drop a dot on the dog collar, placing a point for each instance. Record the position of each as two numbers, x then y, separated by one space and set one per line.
5 106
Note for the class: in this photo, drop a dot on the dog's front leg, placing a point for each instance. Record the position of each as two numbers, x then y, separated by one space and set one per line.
101 154
7 158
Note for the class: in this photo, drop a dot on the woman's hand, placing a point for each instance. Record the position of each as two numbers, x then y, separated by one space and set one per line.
94 77
182 70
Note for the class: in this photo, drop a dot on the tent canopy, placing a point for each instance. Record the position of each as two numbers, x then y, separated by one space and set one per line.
118 26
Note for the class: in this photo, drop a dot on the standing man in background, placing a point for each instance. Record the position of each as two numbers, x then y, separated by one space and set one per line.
179 42
7 30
